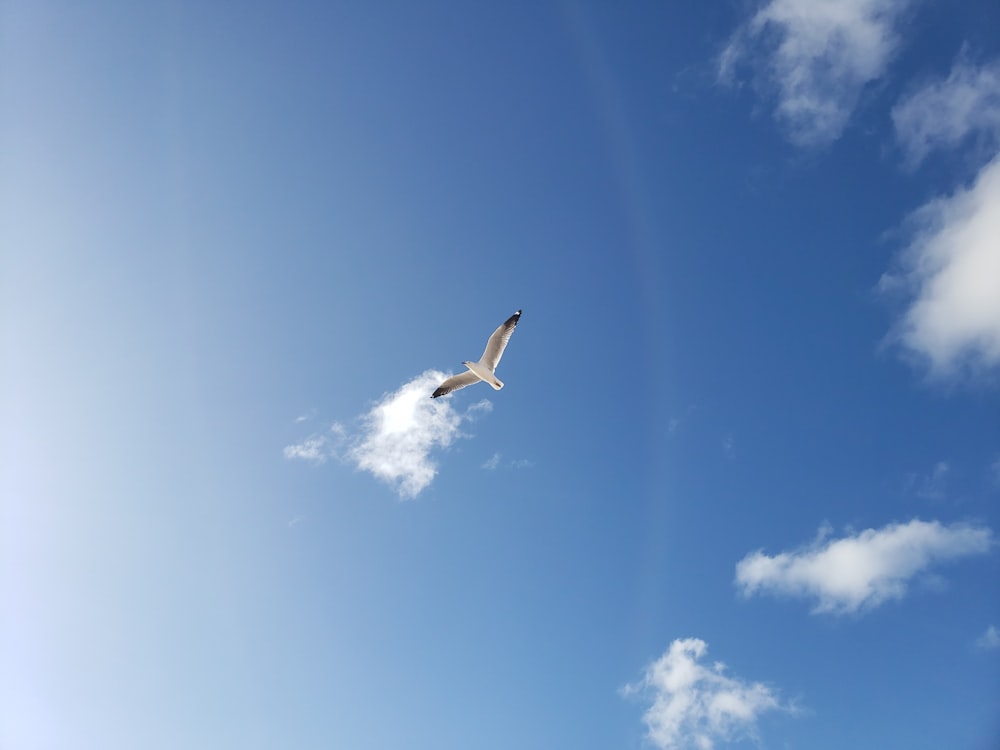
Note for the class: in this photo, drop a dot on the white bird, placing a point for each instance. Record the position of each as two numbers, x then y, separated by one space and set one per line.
483 369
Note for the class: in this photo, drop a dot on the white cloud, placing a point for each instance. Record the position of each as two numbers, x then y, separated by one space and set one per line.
401 431
317 449
942 114
492 463
860 571
396 437
694 705
818 55
990 640
311 449
951 272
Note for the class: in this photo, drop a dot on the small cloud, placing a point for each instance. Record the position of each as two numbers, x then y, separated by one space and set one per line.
990 640
815 58
945 113
396 437
860 571
492 463
318 448
296 521
995 470
696 705
402 430
727 445
314 449
951 273
518 463
931 486
676 422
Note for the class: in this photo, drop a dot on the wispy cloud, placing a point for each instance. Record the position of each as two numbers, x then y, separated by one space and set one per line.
694 705
494 462
990 640
944 113
863 570
816 56
930 486
397 437
318 448
950 274
675 423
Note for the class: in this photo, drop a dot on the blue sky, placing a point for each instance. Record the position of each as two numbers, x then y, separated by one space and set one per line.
742 486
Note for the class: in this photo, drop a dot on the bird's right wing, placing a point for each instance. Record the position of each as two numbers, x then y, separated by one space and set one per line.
455 382
498 342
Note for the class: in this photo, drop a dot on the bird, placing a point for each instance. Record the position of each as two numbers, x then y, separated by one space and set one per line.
483 369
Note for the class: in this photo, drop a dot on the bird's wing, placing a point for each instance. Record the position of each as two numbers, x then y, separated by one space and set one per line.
498 342
455 382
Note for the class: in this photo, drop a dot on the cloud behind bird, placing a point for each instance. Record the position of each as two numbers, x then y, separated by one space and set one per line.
397 438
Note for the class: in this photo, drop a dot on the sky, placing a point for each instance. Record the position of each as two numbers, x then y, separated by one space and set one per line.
741 487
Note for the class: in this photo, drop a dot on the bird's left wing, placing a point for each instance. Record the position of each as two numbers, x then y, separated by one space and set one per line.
498 342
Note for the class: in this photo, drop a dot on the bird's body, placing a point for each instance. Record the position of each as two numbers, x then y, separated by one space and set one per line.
483 369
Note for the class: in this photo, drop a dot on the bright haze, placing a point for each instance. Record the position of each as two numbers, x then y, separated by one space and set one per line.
741 487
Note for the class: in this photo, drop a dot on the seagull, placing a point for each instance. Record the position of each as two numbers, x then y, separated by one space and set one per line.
483 369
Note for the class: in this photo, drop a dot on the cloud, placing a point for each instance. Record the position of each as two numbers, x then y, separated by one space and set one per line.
403 428
694 705
311 449
396 436
860 571
493 462
675 423
944 113
932 486
950 273
990 640
318 448
816 56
